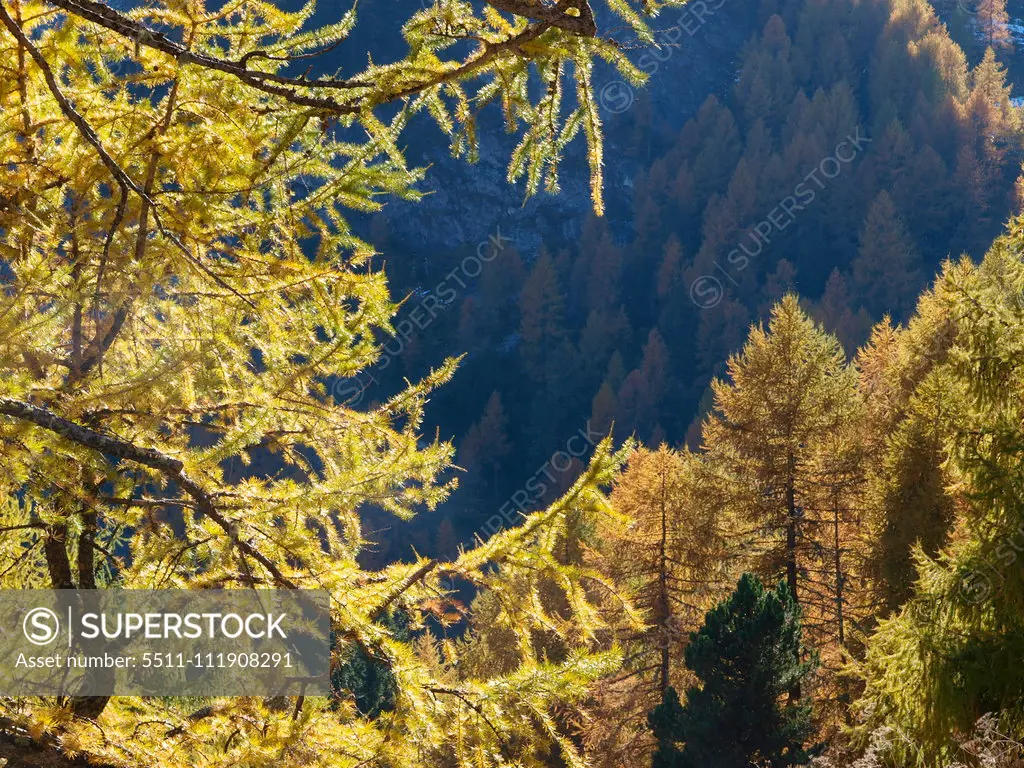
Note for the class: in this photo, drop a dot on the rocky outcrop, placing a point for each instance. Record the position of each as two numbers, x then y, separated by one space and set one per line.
466 203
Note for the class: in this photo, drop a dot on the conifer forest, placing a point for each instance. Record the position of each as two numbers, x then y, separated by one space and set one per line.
640 383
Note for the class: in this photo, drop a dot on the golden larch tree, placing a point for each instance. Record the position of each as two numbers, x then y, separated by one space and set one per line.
182 291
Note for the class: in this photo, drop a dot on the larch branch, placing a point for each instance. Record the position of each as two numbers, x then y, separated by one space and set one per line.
171 467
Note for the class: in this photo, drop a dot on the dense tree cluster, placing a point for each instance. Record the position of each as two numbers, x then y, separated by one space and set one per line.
856 150
880 487
184 301
180 286
885 493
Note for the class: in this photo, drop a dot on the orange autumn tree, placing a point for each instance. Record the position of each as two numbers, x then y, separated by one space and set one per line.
673 559
784 442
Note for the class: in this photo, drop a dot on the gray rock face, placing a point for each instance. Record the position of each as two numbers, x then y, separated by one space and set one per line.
466 203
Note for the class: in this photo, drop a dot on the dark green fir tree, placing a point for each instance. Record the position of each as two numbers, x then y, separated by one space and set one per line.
747 658
368 681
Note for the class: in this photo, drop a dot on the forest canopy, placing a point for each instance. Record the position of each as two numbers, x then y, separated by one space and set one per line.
798 511
180 285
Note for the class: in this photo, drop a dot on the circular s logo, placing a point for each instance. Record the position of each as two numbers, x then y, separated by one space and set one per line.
349 392
41 626
706 291
975 587
616 97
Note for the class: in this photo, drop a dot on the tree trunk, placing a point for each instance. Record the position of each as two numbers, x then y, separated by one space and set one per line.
791 526
54 548
663 585
791 535
839 568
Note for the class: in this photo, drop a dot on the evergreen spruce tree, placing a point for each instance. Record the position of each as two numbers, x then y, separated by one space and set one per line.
548 356
500 284
602 410
605 332
747 657
366 681
486 446
543 320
